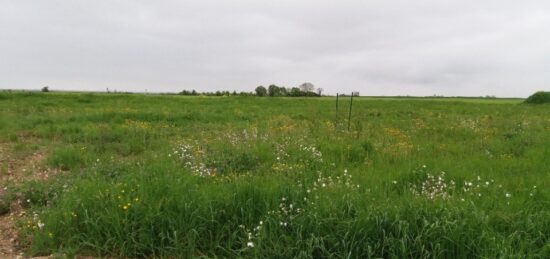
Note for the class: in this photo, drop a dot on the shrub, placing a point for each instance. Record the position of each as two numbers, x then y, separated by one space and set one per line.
45 89
538 98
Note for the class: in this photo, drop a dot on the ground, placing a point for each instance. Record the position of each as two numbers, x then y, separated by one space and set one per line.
133 175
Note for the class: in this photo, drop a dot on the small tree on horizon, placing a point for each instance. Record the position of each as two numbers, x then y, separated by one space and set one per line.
261 91
273 90
307 87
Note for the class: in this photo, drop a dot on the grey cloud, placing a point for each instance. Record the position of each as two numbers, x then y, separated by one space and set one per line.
393 47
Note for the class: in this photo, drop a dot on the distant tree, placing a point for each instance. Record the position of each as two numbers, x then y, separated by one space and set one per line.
261 91
283 91
274 90
295 92
193 92
45 89
307 87
319 91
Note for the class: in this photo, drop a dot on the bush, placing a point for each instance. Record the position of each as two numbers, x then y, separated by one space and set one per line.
45 89
538 98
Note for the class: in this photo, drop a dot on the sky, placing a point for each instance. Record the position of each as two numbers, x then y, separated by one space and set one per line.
376 47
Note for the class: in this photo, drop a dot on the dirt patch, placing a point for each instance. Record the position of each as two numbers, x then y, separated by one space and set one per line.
14 172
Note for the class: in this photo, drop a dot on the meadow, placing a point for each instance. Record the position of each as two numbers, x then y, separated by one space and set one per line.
134 175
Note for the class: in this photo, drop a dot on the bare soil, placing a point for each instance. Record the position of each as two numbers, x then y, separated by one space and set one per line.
14 172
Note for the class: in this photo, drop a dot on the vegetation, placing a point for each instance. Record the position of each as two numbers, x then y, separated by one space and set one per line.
538 98
305 90
175 176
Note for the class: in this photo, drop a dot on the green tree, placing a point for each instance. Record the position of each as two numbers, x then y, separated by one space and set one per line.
261 91
273 90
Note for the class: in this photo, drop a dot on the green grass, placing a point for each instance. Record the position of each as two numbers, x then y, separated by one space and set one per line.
174 176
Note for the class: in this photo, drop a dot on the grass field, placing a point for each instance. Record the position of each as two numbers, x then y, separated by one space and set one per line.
172 176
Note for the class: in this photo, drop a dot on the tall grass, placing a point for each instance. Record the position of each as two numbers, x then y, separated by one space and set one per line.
163 176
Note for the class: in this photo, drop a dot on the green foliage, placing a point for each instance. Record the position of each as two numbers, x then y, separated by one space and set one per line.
539 98
66 159
176 176
261 91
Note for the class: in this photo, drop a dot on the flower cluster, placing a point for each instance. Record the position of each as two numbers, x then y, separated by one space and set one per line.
251 234
315 154
187 154
329 181
434 187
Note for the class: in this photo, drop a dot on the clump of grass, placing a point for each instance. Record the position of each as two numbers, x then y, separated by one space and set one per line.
66 158
4 206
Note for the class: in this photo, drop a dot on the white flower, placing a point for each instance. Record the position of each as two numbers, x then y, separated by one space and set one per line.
345 170
394 182
250 244
40 224
508 195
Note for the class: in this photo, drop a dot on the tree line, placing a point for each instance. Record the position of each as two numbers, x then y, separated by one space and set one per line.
304 90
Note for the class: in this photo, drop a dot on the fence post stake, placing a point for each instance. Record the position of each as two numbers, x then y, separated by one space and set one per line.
350 106
336 120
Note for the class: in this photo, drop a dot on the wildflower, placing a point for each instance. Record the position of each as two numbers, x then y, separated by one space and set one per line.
394 182
508 195
50 234
250 244
40 224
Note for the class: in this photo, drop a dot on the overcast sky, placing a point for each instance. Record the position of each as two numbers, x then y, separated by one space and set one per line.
376 47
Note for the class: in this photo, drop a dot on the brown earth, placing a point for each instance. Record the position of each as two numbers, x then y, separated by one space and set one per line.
14 172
